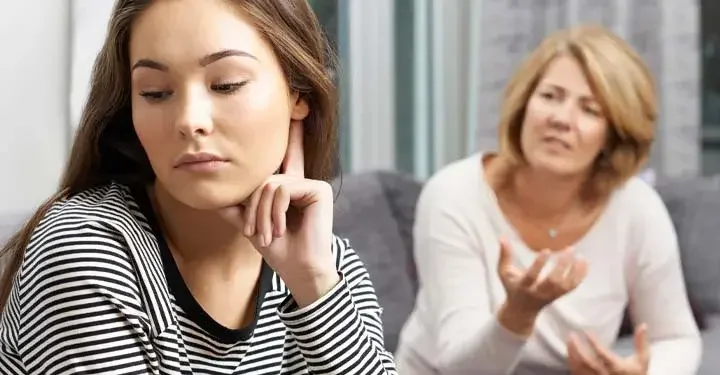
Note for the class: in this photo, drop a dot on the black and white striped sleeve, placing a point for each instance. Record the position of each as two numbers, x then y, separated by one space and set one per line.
75 306
342 332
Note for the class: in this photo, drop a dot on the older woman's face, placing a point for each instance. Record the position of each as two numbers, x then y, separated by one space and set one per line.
564 129
210 103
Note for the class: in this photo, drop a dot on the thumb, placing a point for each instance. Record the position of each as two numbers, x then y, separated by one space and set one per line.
642 346
506 256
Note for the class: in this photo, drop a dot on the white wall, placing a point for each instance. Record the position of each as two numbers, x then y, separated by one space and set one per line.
34 83
88 30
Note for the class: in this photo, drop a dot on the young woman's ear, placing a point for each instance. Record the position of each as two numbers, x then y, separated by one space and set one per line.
300 107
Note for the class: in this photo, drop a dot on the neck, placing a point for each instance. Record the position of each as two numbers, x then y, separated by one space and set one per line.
200 236
543 194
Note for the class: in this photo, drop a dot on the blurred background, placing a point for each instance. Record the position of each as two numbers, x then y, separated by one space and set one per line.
420 79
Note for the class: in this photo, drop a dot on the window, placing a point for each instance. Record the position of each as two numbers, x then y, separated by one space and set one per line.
329 13
710 54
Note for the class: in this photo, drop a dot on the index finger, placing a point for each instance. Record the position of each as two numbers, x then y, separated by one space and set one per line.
611 360
642 346
505 259
294 162
533 273
580 357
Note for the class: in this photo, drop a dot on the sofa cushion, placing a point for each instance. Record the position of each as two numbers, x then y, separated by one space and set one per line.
694 206
364 215
403 192
711 344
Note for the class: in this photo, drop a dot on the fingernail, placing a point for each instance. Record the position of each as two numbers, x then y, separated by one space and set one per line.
265 241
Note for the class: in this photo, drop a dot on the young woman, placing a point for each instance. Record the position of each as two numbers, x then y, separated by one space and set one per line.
527 257
192 230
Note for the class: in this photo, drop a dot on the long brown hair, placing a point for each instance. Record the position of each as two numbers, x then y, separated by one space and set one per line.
106 148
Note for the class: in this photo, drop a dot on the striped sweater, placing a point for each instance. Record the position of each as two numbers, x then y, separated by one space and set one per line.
98 292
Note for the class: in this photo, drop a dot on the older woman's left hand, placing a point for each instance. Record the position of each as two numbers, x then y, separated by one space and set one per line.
602 361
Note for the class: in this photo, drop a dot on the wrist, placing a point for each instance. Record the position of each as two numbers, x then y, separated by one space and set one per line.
308 288
517 320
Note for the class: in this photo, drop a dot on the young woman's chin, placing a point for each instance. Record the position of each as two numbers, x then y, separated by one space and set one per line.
204 195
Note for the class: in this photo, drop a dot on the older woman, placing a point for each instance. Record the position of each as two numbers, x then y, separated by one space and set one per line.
527 257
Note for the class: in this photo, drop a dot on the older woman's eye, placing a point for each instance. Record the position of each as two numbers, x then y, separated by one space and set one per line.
593 111
228 88
547 95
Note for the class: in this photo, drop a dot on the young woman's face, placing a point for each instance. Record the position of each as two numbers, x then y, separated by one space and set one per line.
210 103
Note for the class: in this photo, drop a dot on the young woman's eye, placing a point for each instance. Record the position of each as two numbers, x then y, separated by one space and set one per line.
228 88
155 96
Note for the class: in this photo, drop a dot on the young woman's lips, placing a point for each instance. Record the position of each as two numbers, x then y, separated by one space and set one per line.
200 162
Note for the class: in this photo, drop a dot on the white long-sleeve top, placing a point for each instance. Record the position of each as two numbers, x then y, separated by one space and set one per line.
633 255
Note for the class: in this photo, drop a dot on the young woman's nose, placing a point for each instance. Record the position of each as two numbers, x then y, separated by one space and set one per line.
194 113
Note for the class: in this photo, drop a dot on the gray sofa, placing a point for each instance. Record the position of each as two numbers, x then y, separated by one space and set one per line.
375 211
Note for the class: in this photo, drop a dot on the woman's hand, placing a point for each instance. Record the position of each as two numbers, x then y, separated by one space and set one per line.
602 361
528 293
289 221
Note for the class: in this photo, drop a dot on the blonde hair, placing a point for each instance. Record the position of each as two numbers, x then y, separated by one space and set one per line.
622 85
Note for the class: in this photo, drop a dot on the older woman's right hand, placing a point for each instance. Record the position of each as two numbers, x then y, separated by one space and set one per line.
528 293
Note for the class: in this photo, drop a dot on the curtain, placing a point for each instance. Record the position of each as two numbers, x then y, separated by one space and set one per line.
473 46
